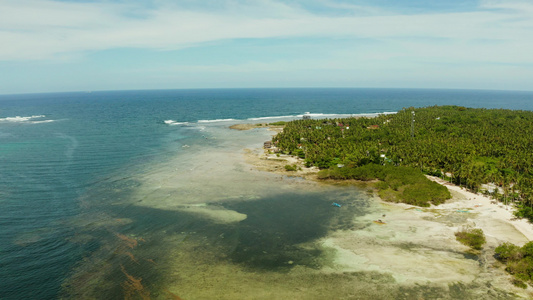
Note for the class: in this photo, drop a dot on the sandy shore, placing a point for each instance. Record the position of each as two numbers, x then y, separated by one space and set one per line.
489 214
275 128
495 219
417 245
492 217
414 253
228 214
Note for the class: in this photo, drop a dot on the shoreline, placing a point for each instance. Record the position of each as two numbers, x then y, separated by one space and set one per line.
224 194
247 126
417 236
487 208
477 204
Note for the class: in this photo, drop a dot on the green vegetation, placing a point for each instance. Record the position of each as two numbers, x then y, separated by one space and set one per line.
291 168
278 123
466 146
524 211
472 237
519 283
519 261
398 184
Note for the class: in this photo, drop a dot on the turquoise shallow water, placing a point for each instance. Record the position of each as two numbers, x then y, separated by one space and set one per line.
71 163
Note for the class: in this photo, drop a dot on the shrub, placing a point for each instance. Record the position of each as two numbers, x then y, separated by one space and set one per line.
388 195
291 168
472 237
524 212
323 174
398 184
508 252
308 163
382 185
519 283
415 195
278 123
519 261
521 269
527 250
300 153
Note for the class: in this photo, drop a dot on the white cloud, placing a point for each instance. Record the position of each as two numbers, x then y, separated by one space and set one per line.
40 30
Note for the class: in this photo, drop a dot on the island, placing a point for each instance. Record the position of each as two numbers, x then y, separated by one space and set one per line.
422 157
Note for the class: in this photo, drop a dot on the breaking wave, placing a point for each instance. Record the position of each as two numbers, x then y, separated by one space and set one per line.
216 120
30 119
266 118
321 116
286 117
172 122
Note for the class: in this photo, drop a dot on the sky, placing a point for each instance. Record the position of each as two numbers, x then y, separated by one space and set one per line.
91 45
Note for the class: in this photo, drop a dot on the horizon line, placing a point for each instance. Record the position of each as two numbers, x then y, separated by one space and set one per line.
263 88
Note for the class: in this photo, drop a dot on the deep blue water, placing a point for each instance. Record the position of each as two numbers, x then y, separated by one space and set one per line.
77 141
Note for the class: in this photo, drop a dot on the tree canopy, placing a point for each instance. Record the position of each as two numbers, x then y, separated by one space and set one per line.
467 146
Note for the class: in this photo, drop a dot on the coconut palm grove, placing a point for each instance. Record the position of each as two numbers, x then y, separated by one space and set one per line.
485 150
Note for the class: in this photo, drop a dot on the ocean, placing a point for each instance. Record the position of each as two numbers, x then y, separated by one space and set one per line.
142 194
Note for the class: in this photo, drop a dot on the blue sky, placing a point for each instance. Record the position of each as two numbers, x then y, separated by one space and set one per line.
53 45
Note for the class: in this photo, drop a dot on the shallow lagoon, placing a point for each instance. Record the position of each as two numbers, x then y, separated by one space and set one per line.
203 224
97 192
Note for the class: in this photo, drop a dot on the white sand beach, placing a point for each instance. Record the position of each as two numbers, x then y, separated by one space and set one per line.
493 217
418 245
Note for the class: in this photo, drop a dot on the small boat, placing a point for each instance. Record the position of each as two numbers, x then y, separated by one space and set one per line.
379 222
336 204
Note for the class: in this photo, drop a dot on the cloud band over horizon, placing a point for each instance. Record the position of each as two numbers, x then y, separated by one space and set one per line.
90 45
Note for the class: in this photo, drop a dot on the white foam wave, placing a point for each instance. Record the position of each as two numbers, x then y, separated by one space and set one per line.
317 114
321 116
267 118
44 121
200 128
172 122
287 117
369 115
215 120
19 119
